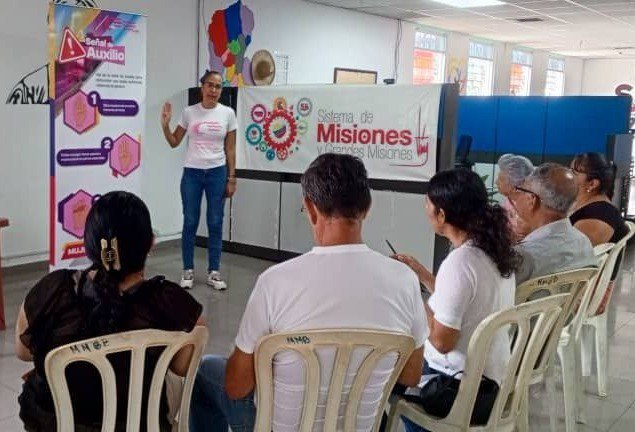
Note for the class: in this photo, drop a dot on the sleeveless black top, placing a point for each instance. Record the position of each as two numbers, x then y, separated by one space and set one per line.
607 213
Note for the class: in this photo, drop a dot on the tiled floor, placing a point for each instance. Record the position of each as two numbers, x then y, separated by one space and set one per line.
223 310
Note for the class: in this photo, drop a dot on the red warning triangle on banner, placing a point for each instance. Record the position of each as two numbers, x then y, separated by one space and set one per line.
71 48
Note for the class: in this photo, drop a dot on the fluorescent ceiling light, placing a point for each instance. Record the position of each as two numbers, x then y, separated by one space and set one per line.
470 3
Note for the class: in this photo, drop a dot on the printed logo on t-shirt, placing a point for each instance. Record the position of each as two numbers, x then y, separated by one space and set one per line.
208 127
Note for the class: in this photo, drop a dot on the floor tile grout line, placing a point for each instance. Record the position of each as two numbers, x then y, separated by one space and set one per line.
620 417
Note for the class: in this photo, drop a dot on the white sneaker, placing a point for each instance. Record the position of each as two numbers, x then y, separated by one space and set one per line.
215 281
187 279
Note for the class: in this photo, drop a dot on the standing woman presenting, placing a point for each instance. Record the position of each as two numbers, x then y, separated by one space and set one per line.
210 163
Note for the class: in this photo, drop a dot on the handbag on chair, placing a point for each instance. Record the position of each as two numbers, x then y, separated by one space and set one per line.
438 394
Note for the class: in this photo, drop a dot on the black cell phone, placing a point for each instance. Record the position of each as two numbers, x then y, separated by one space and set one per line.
424 290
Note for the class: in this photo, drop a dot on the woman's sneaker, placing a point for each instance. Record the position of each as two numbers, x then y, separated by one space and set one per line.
215 281
187 279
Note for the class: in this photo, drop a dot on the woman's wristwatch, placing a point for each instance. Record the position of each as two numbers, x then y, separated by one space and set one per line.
231 179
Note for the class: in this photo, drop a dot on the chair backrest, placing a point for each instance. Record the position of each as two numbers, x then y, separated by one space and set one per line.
613 261
534 321
95 352
574 326
631 232
602 248
573 282
345 341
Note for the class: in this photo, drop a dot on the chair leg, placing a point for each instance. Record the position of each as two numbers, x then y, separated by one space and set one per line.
586 350
569 375
550 387
522 423
601 352
580 414
392 425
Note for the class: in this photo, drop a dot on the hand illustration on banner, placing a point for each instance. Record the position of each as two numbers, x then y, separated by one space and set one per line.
80 212
80 112
125 158
73 211
125 155
79 115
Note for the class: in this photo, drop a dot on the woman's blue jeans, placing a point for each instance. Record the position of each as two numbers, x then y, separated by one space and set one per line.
193 183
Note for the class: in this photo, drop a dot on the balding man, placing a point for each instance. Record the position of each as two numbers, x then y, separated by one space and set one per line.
553 245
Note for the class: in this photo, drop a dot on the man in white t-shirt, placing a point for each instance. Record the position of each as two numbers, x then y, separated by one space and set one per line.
340 283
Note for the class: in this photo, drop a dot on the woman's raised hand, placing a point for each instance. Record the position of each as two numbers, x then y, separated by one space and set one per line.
166 114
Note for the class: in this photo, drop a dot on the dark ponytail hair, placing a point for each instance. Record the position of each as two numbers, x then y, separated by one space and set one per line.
462 196
124 218
596 167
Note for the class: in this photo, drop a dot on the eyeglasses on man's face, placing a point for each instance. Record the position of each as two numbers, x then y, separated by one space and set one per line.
522 189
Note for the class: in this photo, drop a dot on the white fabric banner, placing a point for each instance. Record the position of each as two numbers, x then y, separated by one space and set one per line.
393 129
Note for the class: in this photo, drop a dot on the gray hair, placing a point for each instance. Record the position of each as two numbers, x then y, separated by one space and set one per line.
517 168
555 186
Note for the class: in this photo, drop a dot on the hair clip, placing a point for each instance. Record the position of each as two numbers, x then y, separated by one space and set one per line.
110 255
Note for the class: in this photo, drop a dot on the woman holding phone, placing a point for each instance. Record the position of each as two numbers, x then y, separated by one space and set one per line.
475 280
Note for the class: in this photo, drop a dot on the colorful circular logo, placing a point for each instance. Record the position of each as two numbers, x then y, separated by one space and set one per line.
279 130
275 132
305 106
258 113
253 134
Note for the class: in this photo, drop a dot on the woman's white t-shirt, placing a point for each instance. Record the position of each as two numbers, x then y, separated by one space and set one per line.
207 129
469 288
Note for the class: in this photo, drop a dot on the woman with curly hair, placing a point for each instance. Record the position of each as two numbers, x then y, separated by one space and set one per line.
474 281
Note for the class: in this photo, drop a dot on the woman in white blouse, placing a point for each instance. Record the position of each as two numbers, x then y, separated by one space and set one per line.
475 280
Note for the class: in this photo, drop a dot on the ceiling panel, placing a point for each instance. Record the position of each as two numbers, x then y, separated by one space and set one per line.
576 27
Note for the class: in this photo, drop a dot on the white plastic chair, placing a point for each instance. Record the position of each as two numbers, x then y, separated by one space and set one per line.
95 350
565 341
533 322
599 321
602 248
345 341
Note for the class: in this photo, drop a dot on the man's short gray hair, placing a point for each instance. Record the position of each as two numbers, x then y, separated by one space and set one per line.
517 168
555 186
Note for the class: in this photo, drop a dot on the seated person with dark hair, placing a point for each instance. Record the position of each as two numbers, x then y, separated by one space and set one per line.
340 283
111 296
474 281
593 213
